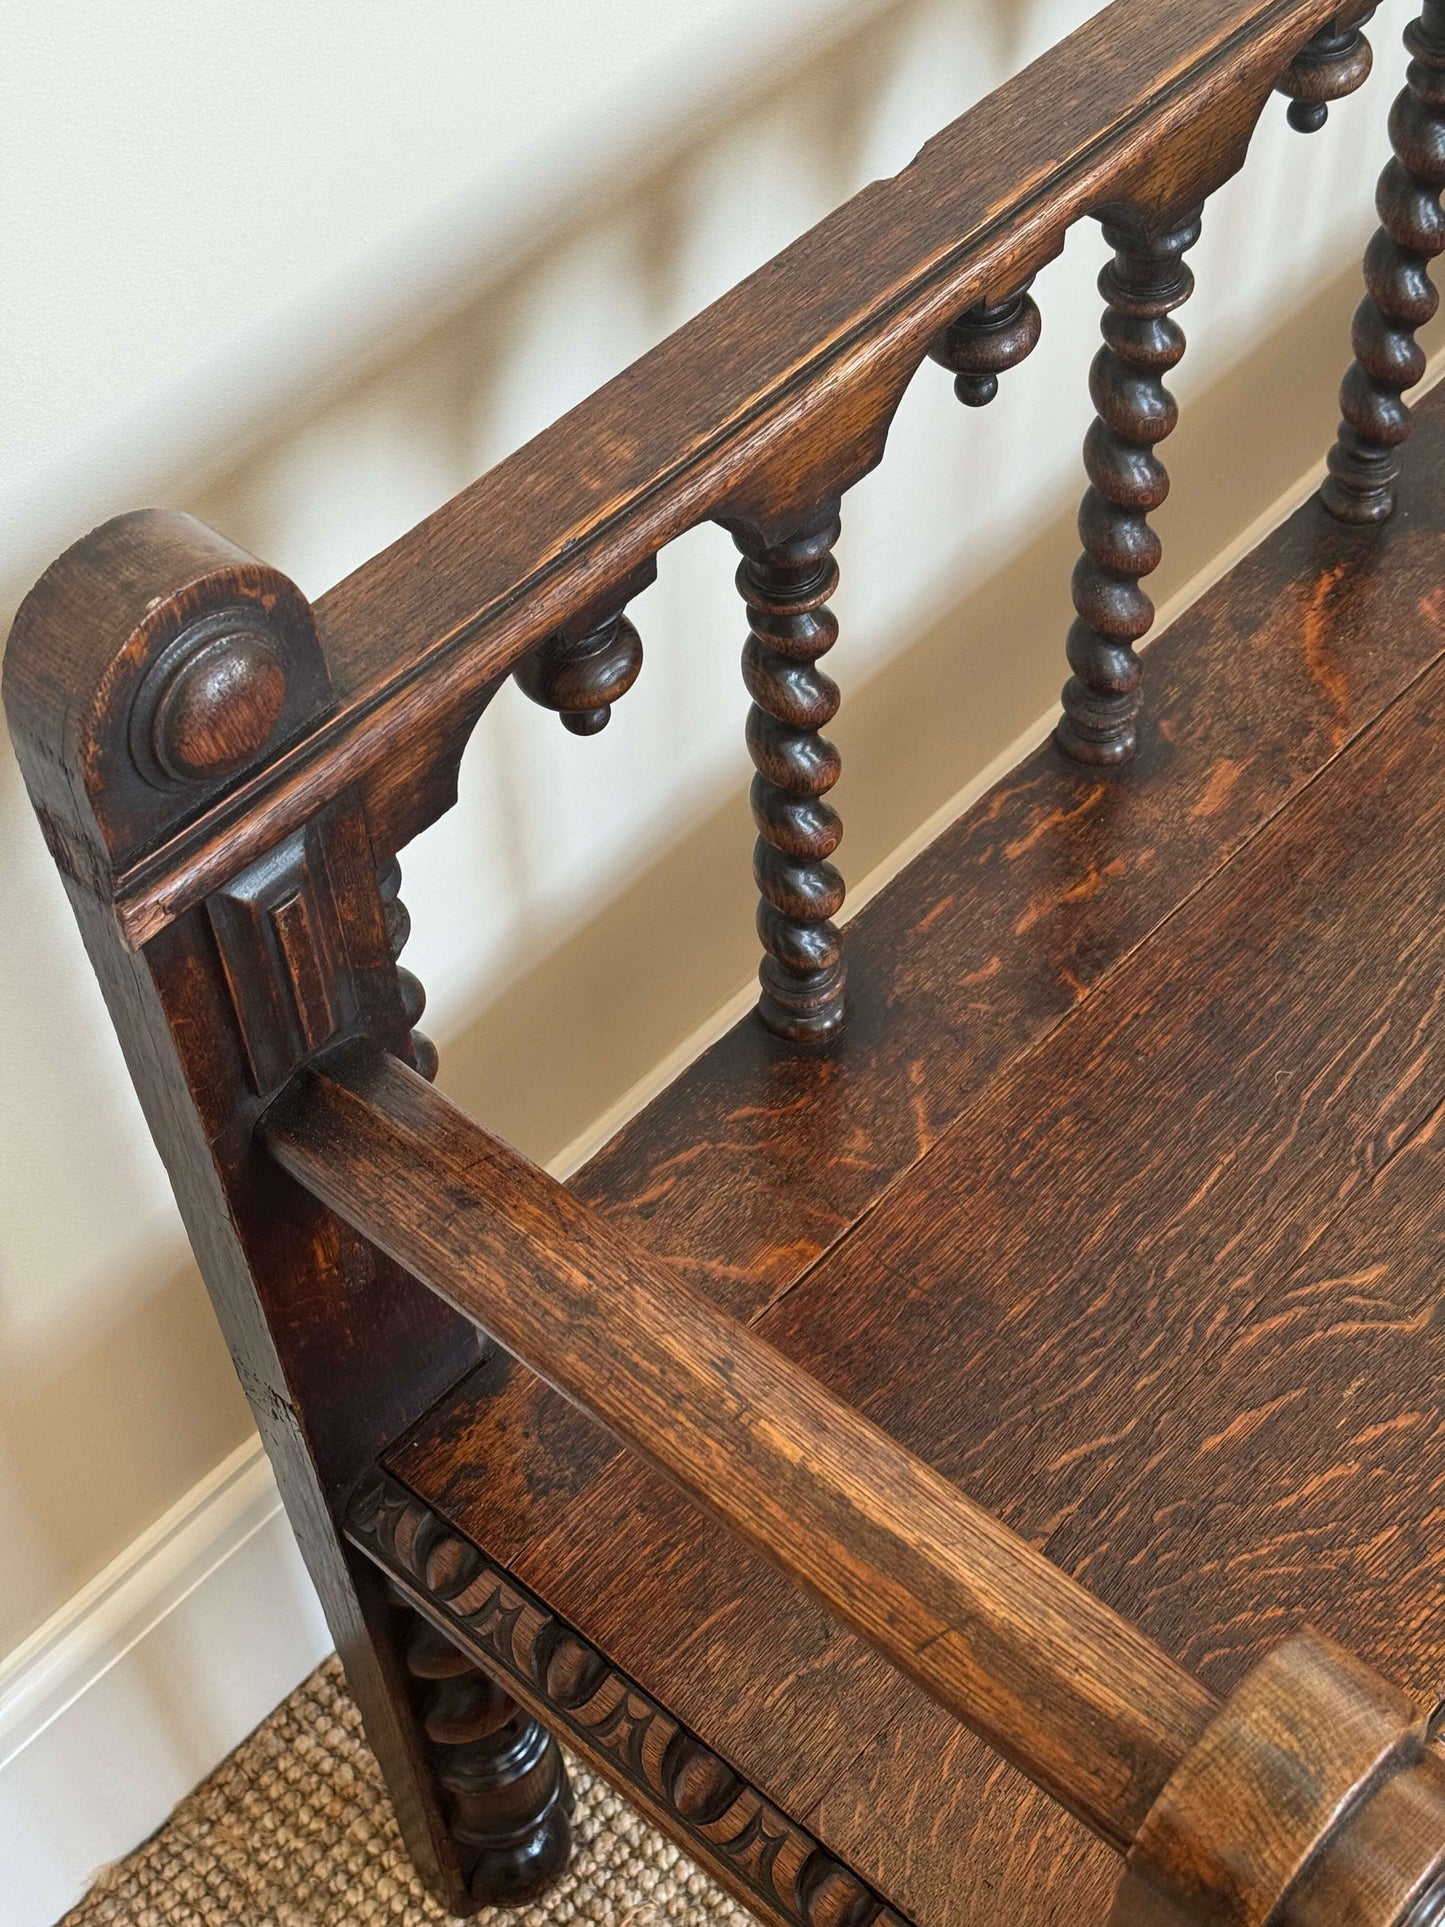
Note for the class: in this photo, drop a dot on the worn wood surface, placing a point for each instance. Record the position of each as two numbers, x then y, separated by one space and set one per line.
776 398
1121 1061
1343 930
1053 1681
1271 1798
773 1865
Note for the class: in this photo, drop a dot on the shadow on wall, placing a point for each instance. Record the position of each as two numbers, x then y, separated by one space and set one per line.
591 907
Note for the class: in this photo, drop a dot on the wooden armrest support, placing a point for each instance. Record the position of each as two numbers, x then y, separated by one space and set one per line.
1077 1698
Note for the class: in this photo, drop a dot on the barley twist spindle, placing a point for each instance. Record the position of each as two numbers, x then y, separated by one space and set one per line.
785 588
413 992
1365 460
1144 283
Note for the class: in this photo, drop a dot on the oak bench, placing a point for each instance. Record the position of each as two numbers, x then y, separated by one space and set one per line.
981 1419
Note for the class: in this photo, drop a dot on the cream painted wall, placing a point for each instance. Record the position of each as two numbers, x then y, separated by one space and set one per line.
306 271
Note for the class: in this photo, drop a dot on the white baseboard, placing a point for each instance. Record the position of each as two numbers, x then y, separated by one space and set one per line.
144 1681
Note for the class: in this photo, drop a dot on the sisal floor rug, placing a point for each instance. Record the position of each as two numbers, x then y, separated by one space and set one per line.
295 1830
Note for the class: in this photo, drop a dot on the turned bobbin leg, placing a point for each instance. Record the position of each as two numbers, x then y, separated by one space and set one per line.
786 586
504 1786
1365 460
508 1799
1142 286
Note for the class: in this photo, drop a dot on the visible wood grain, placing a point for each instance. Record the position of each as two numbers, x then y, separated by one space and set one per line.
1348 885
991 337
335 1350
755 1161
771 400
582 675
1139 1066
988 1629
1333 63
1270 1798
774 1866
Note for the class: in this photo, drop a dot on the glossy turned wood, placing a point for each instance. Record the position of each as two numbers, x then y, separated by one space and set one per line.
581 677
981 345
1274 1796
1400 297
786 586
1335 62
755 1161
1077 868
509 1803
225 774
1143 285
774 1866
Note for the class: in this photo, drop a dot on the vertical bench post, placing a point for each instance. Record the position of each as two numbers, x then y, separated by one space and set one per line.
786 586
153 668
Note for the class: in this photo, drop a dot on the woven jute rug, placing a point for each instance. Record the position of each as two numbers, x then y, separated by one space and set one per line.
295 1830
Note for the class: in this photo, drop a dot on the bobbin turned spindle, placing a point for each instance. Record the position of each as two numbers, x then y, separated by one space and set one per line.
1142 285
1364 463
1329 66
413 991
987 339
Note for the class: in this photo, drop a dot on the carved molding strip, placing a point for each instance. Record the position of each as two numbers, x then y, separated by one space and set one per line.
725 1823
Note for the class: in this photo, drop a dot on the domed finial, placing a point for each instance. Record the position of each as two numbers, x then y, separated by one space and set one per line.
215 710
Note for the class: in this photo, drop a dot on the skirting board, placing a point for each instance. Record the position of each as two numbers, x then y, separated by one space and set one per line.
144 1681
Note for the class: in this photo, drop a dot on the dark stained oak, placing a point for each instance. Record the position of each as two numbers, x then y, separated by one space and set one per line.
785 587
1142 286
1029 1357
986 1627
991 337
1333 63
582 675
508 1799
755 1161
589 1576
1400 296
